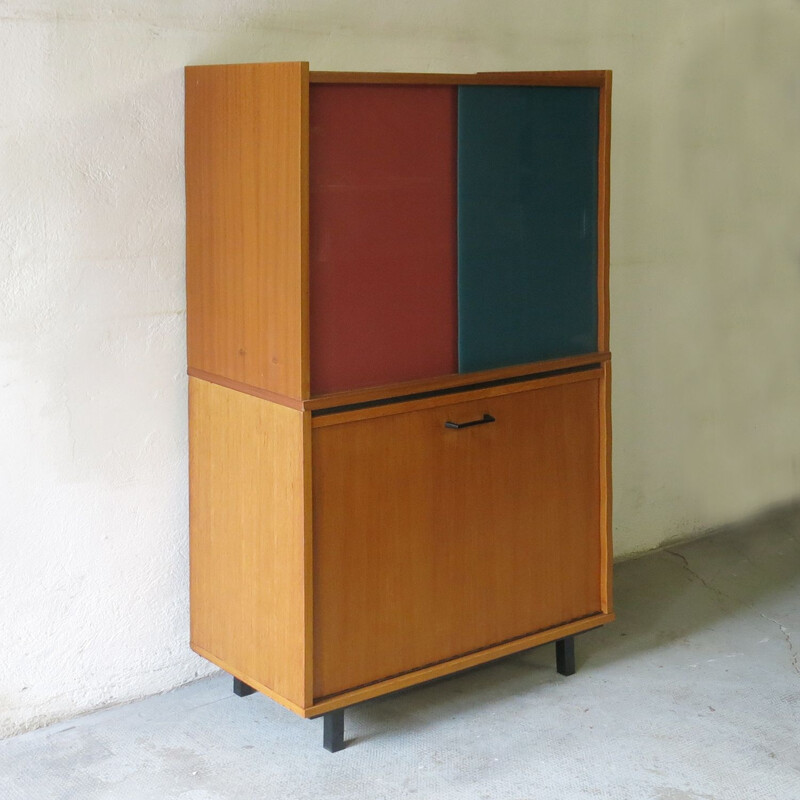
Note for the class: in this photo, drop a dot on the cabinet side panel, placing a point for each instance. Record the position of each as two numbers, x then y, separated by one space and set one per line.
527 224
247 536
246 220
382 228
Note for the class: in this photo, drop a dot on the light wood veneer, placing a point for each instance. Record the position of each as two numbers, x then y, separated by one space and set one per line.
431 542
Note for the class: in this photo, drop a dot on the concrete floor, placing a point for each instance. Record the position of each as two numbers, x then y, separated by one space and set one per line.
694 693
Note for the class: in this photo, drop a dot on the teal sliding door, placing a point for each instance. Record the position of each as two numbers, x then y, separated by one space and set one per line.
527 224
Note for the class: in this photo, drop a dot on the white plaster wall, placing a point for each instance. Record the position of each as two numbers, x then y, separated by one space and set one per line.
705 304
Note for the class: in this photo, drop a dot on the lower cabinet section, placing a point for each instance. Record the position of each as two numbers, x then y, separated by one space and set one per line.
349 553
432 541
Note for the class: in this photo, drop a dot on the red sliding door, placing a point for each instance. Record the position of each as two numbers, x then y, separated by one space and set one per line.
383 234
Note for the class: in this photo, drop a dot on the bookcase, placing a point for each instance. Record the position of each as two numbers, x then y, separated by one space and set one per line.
399 391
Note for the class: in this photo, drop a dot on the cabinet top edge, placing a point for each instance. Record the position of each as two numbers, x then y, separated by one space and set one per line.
588 78
585 78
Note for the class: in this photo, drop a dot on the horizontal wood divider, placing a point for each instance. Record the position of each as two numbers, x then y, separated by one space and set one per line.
406 389
246 388
402 407
426 385
323 705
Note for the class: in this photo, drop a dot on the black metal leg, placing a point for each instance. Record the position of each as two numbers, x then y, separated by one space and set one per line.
241 689
565 655
333 730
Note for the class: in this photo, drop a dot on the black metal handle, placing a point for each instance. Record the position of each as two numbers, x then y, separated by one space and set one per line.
486 419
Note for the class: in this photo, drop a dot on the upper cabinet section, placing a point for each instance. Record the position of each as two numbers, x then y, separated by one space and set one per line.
348 231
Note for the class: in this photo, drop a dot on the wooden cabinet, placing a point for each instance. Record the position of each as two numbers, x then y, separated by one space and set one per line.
399 372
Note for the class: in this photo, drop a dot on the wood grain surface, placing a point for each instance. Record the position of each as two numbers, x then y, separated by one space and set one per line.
250 566
430 543
247 224
428 673
345 416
